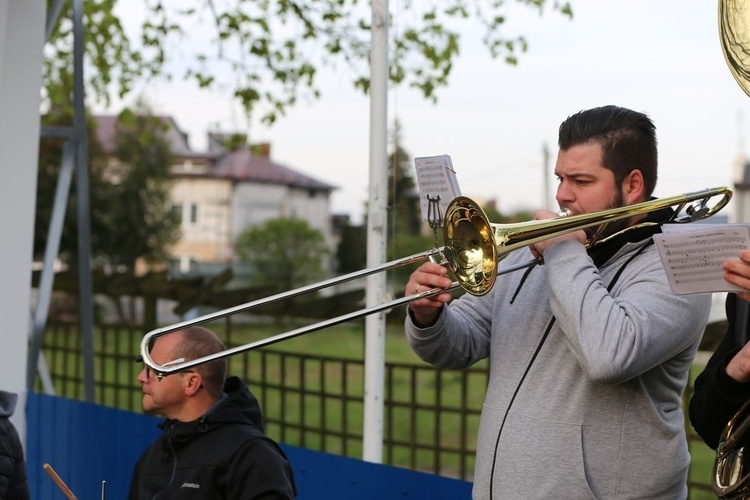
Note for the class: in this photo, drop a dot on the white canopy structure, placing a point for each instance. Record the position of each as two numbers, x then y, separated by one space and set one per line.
21 43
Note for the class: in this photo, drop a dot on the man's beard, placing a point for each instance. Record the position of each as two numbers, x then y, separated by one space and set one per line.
611 227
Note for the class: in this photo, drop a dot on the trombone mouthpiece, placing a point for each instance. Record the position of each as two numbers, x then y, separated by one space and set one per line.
565 212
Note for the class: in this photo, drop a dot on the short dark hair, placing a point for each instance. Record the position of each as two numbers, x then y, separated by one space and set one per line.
198 342
627 139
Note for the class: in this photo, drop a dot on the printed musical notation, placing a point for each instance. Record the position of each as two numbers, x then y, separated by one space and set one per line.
437 182
692 255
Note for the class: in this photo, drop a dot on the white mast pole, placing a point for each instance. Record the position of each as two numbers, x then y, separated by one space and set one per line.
376 235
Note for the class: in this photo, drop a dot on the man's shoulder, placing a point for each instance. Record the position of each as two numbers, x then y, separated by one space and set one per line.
638 254
238 431
242 439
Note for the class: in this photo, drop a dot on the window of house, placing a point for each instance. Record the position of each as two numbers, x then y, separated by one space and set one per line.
177 211
193 213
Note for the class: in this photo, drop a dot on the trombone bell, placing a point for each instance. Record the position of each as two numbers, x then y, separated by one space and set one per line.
470 251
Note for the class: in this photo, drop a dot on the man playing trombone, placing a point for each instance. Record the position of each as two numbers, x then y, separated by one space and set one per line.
590 352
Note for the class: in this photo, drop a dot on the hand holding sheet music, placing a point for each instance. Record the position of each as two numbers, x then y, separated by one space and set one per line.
693 255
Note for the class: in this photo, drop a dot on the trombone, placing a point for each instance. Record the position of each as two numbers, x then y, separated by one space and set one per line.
472 249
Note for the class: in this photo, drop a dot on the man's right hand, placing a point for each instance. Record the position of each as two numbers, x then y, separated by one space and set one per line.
738 273
426 310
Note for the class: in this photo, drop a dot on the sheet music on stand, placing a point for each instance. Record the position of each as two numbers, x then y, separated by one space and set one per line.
692 255
438 186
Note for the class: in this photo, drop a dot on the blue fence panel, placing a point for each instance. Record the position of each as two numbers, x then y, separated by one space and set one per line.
87 444
325 476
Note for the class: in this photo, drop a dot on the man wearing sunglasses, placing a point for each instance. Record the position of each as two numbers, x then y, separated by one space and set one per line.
214 444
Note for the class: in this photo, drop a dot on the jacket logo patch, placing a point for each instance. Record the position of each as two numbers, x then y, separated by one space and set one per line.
194 486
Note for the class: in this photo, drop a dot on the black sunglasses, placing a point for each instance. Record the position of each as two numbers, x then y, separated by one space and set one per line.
160 376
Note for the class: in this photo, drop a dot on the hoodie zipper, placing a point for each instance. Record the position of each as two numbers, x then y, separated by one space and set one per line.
170 436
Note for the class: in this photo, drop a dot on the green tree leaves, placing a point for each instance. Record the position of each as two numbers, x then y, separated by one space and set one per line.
129 190
141 225
285 253
269 53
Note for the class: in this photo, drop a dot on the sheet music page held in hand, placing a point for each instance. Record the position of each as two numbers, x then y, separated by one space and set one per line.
692 255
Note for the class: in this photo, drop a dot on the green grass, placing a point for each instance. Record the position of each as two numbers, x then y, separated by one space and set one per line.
346 341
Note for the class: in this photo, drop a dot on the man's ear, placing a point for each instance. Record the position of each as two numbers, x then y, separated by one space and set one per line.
633 188
193 382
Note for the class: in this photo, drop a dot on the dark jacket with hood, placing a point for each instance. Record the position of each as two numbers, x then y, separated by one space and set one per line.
13 483
225 454
718 396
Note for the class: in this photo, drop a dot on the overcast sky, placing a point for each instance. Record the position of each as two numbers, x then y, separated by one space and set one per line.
661 57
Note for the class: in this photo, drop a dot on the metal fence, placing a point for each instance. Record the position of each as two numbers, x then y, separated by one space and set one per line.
316 402
430 421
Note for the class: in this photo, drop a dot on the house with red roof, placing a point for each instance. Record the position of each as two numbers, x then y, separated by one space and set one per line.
220 193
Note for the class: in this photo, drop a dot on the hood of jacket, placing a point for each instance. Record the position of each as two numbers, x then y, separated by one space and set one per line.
644 229
237 406
8 402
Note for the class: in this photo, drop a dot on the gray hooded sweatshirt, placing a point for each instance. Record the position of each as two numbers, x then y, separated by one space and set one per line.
585 385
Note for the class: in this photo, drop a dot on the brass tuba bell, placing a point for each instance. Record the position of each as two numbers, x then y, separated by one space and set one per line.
734 34
731 474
